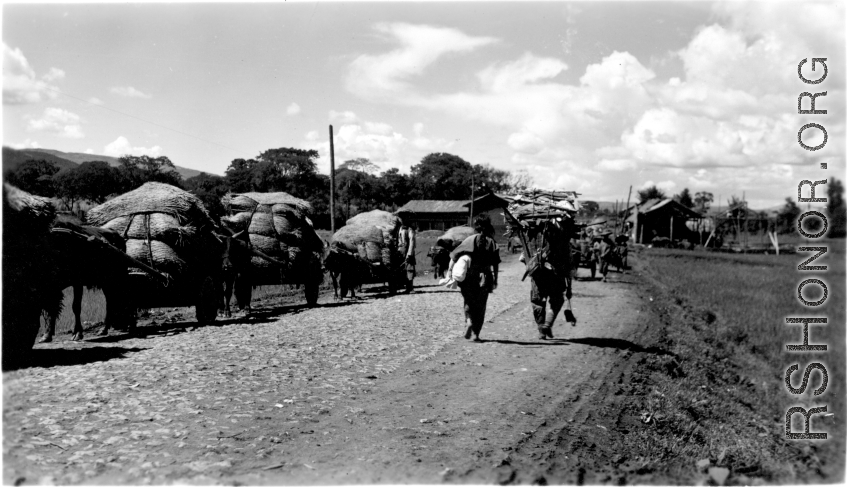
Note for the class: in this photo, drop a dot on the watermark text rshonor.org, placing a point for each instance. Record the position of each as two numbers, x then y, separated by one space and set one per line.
813 280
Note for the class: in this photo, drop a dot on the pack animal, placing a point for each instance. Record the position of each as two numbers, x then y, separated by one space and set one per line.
83 261
28 272
346 271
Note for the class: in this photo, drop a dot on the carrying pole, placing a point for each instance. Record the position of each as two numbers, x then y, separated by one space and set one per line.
331 183
627 209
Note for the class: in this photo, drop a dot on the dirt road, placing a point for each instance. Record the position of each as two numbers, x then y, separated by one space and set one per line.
381 390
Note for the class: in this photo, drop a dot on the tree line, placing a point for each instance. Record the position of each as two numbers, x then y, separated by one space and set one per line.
360 186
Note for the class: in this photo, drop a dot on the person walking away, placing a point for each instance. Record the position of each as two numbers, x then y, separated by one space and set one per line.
481 278
549 282
595 251
407 241
606 248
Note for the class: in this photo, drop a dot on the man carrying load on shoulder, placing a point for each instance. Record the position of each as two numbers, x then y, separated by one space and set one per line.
549 281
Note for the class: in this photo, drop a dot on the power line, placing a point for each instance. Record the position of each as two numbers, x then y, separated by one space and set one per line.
240 152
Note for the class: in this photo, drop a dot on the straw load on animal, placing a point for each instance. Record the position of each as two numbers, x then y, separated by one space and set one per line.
165 227
454 236
371 235
278 225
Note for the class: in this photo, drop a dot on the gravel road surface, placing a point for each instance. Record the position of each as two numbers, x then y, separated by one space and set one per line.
384 389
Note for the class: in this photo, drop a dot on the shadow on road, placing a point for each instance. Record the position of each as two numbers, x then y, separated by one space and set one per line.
539 343
56 357
616 343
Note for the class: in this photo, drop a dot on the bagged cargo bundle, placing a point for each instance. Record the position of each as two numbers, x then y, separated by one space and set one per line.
164 227
366 241
278 225
371 235
454 236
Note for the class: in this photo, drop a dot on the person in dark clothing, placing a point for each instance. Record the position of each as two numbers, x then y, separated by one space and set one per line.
550 283
481 278
606 249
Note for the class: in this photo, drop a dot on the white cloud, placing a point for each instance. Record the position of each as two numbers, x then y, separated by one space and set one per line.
96 101
292 109
54 74
26 144
385 75
58 121
342 117
20 84
89 151
726 114
121 147
377 141
129 92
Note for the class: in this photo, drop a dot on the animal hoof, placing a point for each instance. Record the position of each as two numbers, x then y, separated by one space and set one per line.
104 332
77 337
46 339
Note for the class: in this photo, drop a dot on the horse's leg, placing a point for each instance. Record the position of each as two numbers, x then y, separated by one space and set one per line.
113 306
51 328
77 309
334 276
229 284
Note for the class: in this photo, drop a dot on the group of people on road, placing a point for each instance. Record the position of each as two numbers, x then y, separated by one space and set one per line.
551 270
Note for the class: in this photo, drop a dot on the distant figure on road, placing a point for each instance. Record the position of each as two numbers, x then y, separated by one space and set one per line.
481 278
606 247
406 244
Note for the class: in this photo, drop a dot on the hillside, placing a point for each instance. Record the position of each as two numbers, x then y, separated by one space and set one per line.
13 157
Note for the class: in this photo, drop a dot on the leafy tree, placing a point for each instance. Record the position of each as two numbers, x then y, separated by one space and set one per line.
394 188
360 164
684 198
137 170
96 180
703 201
34 176
69 187
210 189
441 176
650 193
787 217
239 175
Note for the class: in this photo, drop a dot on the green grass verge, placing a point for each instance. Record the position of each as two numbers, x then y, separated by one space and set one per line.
721 395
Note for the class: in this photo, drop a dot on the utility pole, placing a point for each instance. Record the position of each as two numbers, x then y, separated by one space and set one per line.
331 183
627 208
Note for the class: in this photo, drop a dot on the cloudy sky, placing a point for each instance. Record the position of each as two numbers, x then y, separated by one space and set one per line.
592 97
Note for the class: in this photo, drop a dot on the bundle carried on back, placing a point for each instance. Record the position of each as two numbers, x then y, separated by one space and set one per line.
454 236
165 227
371 235
278 225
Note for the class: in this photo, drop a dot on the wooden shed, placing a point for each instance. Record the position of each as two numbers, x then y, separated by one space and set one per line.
660 218
444 214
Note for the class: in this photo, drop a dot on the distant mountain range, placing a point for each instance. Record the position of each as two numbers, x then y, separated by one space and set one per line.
12 158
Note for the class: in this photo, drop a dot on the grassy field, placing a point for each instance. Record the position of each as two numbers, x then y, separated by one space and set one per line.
721 395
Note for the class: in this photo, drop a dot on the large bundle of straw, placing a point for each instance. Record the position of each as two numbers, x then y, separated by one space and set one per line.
372 235
278 225
454 236
165 227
